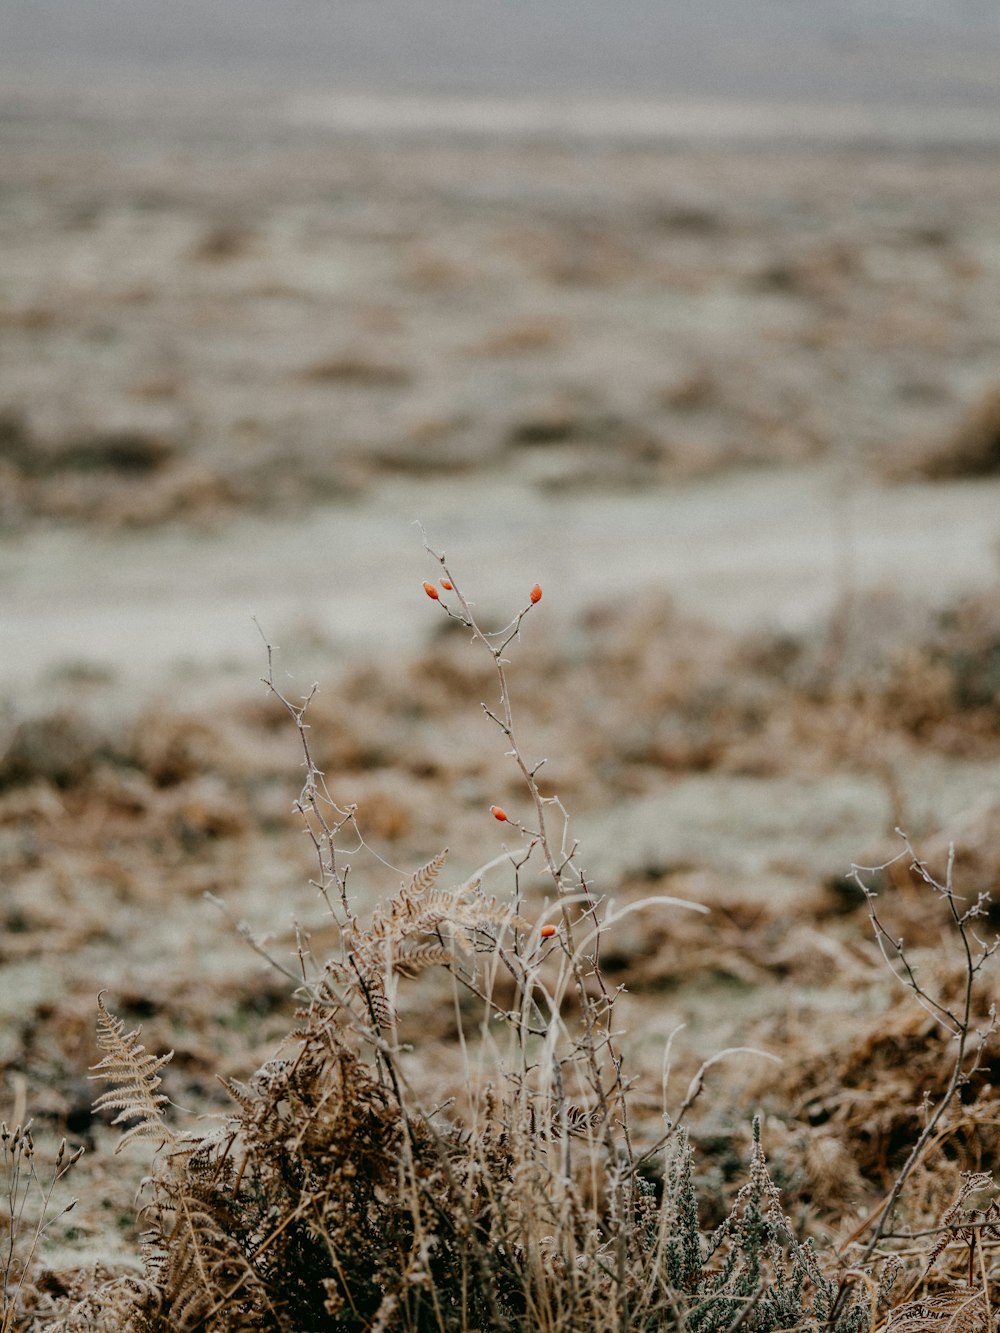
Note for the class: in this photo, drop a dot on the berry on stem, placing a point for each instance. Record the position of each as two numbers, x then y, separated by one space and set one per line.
498 812
446 584
536 594
431 591
547 932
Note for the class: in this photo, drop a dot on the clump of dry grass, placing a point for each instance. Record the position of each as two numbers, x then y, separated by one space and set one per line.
28 1210
973 447
345 1190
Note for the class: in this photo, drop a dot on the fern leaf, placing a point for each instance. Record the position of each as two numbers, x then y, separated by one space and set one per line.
134 1077
420 958
483 913
954 1310
408 903
377 1002
427 874
244 1099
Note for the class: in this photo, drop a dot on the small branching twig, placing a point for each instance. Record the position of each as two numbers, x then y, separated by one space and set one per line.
315 804
955 1018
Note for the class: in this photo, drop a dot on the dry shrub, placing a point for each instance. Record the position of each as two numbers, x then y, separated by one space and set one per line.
336 1195
973 449
869 1094
908 1091
945 690
61 748
690 705
362 1181
887 670
752 941
333 1199
91 818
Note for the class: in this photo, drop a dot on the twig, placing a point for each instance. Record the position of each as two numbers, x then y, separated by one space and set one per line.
958 1023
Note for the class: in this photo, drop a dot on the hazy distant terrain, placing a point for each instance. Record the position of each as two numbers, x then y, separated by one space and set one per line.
836 51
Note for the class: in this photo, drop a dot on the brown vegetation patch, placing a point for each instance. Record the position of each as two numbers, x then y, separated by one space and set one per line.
355 369
523 336
972 449
223 242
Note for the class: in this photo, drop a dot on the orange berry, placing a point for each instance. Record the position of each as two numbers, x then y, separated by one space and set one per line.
499 813
431 591
547 932
446 584
536 593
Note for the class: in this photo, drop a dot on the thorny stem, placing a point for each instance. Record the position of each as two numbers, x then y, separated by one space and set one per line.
506 721
557 868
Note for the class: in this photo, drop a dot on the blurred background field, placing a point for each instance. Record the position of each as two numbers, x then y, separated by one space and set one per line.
694 318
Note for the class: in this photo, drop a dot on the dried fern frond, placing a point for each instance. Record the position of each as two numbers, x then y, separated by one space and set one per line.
208 1280
134 1076
427 874
954 1310
414 931
117 1305
420 958
410 901
409 914
961 1219
242 1096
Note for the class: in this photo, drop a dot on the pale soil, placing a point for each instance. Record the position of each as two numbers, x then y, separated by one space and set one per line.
765 550
678 388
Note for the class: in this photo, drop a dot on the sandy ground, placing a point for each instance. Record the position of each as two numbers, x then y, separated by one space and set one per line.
703 393
749 551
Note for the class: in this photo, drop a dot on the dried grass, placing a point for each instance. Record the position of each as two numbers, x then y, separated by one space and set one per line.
138 817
